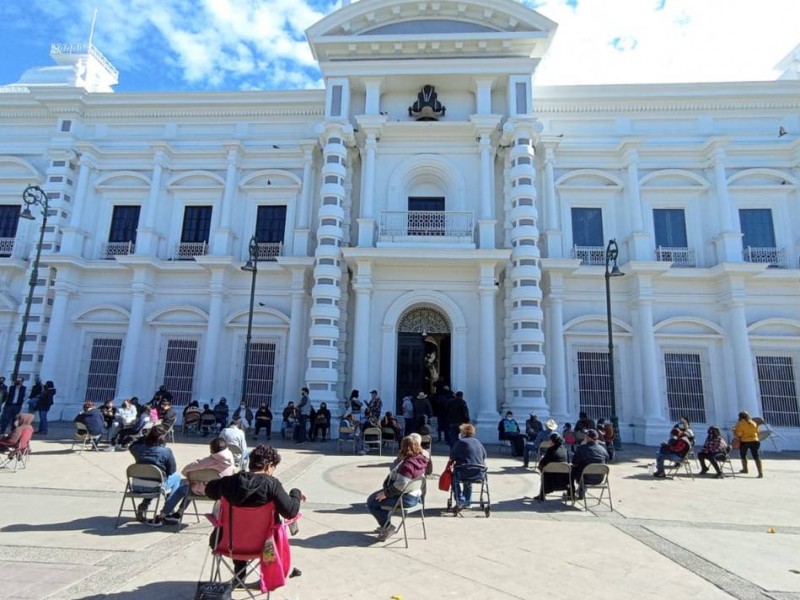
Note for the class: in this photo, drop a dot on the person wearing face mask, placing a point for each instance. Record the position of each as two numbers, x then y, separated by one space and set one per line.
243 412
263 421
322 423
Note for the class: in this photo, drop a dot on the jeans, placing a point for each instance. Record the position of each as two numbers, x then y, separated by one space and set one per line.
43 422
712 458
529 449
171 484
383 516
463 479
177 498
671 456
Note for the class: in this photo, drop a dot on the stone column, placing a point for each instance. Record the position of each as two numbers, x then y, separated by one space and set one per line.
54 366
556 352
361 329
487 403
147 237
729 242
301 230
297 332
74 234
652 405
366 224
225 236
130 374
746 390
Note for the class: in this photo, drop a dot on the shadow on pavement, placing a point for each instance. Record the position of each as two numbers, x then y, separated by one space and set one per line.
99 525
336 539
162 590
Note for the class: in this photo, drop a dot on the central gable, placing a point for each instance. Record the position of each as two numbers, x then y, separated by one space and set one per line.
386 29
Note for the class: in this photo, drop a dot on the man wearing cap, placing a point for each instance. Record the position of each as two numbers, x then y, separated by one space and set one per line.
533 426
588 453
551 426
375 404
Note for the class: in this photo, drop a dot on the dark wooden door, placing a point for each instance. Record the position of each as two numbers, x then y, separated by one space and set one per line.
410 366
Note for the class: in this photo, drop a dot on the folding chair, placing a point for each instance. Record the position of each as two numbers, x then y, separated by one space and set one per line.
85 438
412 488
372 439
170 434
543 446
238 455
208 423
241 534
504 444
475 474
191 423
766 433
555 468
18 455
201 476
347 435
597 470
726 460
143 482
673 468
427 442
388 437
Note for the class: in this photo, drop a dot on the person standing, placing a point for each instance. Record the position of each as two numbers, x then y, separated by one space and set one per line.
375 404
422 411
36 392
13 405
45 404
746 429
457 415
303 409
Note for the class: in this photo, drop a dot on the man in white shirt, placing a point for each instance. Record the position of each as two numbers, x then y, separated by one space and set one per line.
233 434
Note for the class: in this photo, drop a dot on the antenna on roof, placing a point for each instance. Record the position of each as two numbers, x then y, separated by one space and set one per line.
91 29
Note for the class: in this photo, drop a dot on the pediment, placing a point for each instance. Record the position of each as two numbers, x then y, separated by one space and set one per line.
384 27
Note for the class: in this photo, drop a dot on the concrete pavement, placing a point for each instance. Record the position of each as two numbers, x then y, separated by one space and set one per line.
680 538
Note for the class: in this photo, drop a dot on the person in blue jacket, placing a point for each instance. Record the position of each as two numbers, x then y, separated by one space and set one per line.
151 450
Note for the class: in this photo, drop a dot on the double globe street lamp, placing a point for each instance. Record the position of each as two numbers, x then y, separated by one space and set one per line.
612 270
33 195
252 267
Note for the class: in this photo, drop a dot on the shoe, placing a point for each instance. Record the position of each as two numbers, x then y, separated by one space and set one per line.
743 471
719 476
387 532
141 511
109 449
760 476
703 471
157 522
172 519
660 475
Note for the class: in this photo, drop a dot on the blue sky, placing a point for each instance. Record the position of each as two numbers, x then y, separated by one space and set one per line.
260 44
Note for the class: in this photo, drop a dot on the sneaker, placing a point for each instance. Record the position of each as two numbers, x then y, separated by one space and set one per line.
660 475
109 449
719 476
703 471
157 522
387 532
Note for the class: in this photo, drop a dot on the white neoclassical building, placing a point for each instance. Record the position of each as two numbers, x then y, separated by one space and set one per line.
431 215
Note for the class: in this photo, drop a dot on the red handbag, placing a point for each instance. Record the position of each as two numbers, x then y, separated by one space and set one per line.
446 478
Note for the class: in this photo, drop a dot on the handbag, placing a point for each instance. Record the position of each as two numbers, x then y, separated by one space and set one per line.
446 478
736 443
213 590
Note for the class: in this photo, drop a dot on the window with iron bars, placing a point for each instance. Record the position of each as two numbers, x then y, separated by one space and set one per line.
101 381
594 384
776 382
685 389
260 372
179 363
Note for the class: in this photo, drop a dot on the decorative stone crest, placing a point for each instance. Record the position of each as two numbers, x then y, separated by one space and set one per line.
427 107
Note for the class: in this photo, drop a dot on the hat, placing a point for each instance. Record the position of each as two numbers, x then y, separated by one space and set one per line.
374 392
421 395
591 433
551 424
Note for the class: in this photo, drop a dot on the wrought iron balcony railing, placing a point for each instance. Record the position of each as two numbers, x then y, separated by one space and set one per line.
188 250
679 257
427 226
775 257
590 255
112 249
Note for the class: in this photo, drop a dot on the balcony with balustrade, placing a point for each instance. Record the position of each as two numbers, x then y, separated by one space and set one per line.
424 227
188 250
110 250
679 257
267 251
774 257
590 255
7 247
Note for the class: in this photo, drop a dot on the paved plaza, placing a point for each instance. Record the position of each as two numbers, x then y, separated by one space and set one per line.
677 539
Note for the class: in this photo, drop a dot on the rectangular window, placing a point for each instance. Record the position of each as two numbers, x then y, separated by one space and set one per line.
670 226
757 228
179 369
336 101
422 217
270 224
9 219
776 382
685 395
587 227
521 90
260 373
594 384
101 383
124 222
196 224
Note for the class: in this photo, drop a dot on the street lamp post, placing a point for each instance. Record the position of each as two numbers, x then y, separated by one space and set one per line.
612 252
31 196
252 267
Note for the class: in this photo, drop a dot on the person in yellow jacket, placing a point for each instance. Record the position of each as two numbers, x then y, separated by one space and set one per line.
747 431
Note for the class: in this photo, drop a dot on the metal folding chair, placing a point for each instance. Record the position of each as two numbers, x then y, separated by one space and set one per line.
372 439
145 482
347 435
557 468
201 476
596 470
398 508
84 438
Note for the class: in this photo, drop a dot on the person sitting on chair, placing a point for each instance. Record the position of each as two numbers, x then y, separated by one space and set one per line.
24 422
556 453
127 434
550 427
263 421
243 413
256 487
390 422
221 411
151 450
233 434
468 450
714 449
166 414
508 429
289 418
91 418
207 422
321 425
109 412
675 449
410 465
589 452
584 422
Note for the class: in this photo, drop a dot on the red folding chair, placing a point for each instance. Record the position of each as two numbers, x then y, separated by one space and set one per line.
252 534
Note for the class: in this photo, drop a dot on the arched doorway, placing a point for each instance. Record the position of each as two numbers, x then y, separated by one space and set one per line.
423 353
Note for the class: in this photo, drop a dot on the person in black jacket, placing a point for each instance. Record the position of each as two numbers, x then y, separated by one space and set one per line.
556 453
256 487
44 405
263 421
92 418
589 452
457 414
13 405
